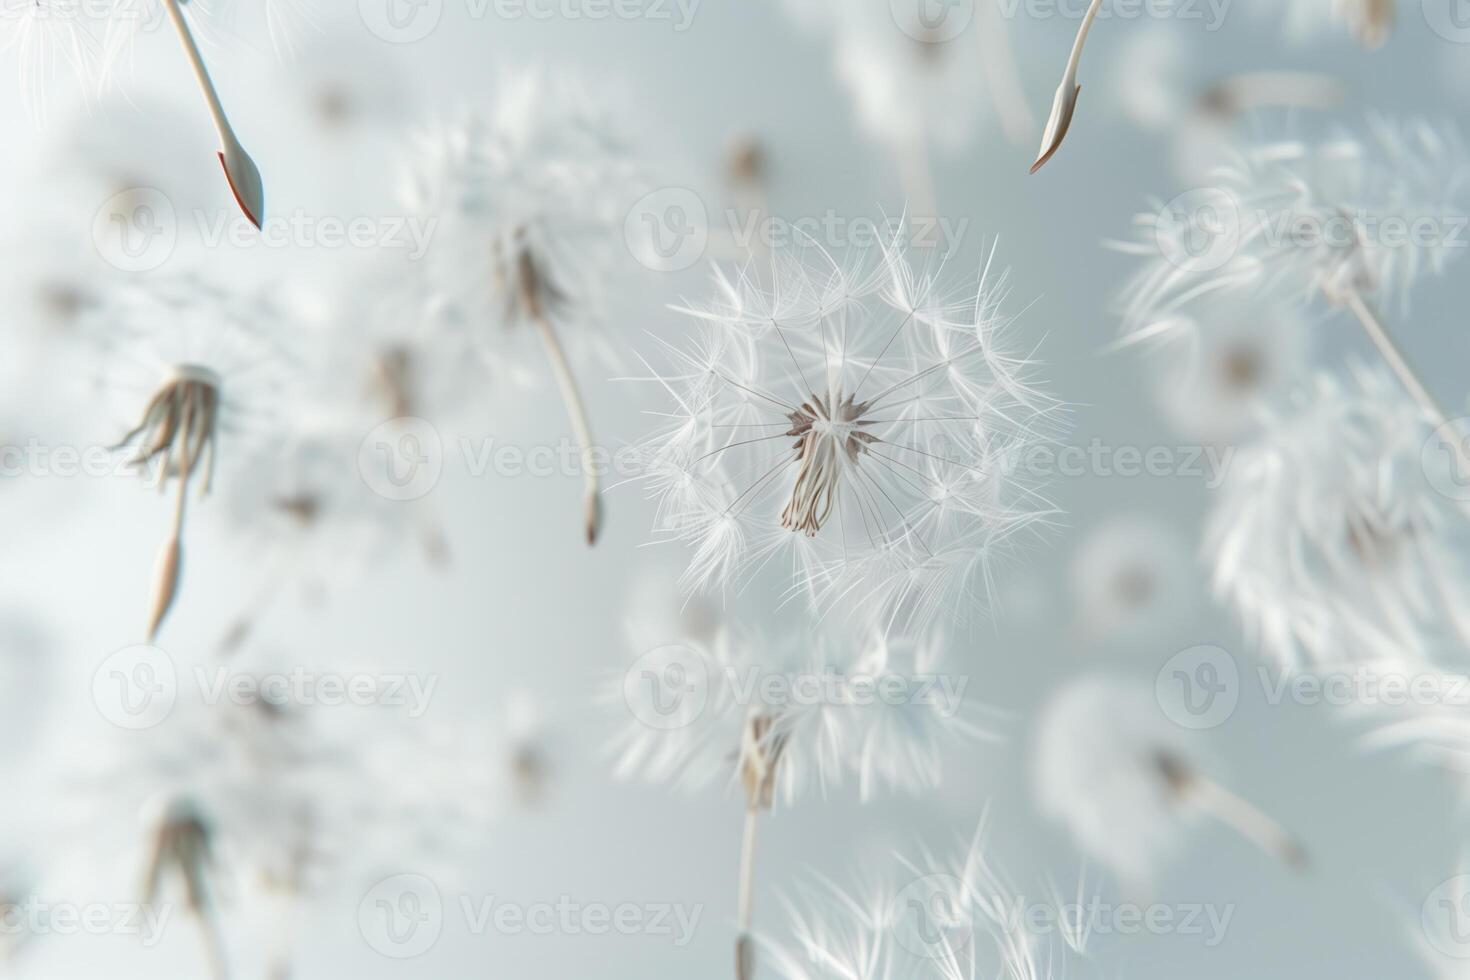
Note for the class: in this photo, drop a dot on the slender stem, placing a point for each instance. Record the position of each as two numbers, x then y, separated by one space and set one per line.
577 411
1246 819
214 945
201 71
1075 59
1396 361
744 949
747 868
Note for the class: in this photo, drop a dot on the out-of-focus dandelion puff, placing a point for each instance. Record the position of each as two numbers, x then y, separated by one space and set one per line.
658 613
528 749
1370 22
529 202
338 98
1327 537
1150 75
818 733
198 370
436 787
858 425
303 511
1228 358
1348 216
907 90
48 38
1132 576
1126 783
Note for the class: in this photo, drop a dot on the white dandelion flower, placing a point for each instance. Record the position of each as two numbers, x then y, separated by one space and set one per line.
920 83
1132 576
1126 783
856 425
1327 536
787 720
201 375
529 202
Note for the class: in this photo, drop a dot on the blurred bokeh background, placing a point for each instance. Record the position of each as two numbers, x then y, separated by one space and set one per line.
522 626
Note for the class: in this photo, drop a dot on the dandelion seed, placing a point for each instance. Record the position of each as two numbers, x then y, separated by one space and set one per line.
529 202
779 748
1346 190
1132 575
856 425
197 364
1326 536
1064 103
1125 782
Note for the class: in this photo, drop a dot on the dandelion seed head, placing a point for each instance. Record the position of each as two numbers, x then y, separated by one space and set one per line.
1326 536
1097 773
856 425
529 200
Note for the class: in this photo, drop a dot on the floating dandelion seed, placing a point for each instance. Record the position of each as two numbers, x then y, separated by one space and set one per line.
183 847
1064 103
529 203
1350 195
195 363
823 731
1328 539
856 425
1132 575
1125 783
50 36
